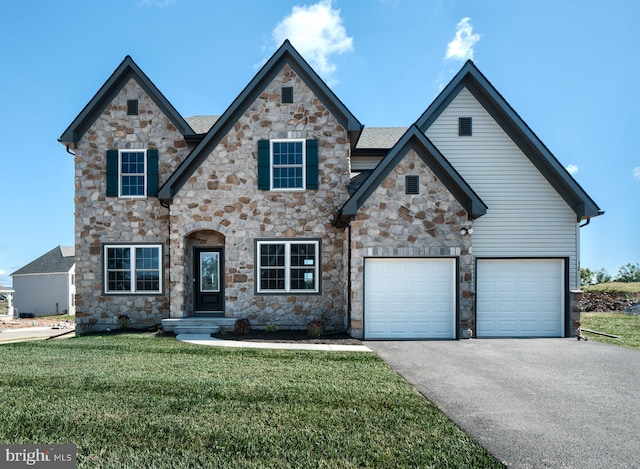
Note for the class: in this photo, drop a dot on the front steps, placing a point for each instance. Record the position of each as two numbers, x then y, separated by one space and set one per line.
196 325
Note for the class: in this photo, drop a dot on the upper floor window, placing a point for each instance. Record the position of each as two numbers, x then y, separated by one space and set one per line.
290 164
132 173
132 169
287 164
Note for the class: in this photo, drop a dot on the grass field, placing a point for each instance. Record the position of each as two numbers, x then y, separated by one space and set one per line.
136 400
624 325
632 288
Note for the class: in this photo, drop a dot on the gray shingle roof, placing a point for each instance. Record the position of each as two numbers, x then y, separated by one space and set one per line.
380 137
59 259
201 124
370 138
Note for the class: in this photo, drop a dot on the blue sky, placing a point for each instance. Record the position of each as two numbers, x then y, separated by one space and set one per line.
567 67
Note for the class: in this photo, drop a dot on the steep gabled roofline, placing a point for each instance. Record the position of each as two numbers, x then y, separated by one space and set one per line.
286 54
58 260
471 78
415 139
123 73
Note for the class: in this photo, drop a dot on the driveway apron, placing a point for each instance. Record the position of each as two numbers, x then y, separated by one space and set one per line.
533 403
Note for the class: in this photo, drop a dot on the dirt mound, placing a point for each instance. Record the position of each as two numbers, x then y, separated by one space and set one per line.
605 302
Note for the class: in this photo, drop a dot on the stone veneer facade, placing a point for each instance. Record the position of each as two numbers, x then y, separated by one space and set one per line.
221 205
100 219
393 224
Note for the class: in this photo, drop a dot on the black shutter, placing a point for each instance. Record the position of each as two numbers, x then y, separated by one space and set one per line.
112 173
152 173
264 165
312 164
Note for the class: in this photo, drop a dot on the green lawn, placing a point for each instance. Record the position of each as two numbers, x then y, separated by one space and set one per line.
142 401
626 326
632 288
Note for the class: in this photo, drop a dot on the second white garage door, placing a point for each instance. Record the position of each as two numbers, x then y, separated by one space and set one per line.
408 298
520 298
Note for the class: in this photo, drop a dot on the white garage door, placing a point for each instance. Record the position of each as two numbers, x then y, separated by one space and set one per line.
520 298
409 298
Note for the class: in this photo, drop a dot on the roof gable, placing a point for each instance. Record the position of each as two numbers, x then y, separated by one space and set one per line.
471 78
415 139
127 70
59 260
286 54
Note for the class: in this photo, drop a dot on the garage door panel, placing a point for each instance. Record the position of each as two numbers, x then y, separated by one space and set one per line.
520 298
409 298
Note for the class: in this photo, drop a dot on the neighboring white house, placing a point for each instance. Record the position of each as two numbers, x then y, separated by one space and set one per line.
46 286
7 293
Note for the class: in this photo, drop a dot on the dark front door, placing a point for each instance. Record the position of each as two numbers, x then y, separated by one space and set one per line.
208 279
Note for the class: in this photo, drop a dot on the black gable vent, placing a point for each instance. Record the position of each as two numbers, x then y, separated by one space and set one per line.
412 185
464 126
287 94
132 107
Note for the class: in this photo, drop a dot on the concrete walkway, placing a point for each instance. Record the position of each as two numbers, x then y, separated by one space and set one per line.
204 339
533 403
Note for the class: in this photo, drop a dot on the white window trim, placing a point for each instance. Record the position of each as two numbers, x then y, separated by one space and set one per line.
287 266
144 195
133 291
304 164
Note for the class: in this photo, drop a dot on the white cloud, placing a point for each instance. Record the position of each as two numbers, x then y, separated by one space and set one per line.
572 168
156 3
636 172
461 47
317 32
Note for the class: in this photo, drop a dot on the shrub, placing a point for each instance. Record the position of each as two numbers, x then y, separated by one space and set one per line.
315 328
271 328
123 321
88 326
242 326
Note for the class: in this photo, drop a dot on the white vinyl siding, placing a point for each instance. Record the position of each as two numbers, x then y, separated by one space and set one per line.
526 216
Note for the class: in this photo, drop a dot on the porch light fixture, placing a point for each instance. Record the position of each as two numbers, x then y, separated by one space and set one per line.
464 231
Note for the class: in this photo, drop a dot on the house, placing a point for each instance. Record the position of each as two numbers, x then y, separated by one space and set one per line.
6 296
46 286
285 209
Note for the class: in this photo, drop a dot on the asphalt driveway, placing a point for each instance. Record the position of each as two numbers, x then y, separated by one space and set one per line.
555 403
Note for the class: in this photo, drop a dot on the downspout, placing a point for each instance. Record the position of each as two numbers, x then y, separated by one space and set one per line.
69 151
586 223
168 287
348 277
339 221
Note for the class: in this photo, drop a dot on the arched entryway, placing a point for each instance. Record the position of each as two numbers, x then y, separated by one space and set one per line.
205 273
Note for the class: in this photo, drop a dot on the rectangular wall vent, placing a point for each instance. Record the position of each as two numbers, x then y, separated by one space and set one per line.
412 185
287 94
464 127
132 107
